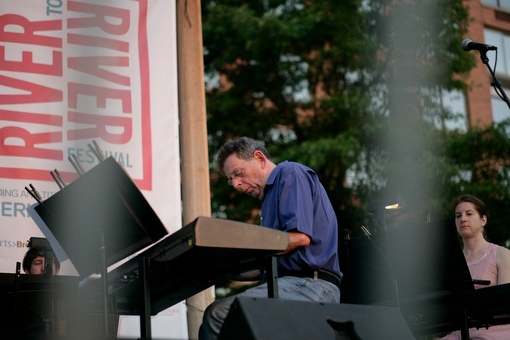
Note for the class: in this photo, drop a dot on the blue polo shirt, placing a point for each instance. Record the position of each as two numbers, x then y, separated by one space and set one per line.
295 200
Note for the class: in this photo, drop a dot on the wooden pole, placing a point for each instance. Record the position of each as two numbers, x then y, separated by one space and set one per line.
193 135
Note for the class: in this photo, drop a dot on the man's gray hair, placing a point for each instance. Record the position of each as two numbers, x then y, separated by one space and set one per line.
243 147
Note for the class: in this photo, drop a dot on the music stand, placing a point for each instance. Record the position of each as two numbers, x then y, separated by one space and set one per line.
432 271
104 198
443 259
100 219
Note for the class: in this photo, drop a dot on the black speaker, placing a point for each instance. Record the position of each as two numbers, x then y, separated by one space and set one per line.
265 319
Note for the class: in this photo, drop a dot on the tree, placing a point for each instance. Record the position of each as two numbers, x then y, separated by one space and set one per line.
293 74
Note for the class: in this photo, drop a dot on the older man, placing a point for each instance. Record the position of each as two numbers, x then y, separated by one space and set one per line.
294 201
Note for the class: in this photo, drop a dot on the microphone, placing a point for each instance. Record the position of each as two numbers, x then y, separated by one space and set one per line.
469 45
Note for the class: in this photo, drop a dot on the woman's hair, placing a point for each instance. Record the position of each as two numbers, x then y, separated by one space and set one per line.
478 203
30 256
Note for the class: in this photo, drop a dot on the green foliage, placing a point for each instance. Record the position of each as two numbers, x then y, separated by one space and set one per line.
292 74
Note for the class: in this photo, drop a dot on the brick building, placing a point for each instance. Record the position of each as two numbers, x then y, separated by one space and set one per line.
491 25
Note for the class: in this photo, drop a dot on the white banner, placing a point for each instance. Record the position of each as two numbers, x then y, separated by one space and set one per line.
73 72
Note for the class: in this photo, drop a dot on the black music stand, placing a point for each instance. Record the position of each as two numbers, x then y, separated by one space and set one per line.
425 259
432 255
100 219
445 267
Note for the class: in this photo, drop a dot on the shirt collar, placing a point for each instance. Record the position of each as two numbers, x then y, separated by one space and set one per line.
273 174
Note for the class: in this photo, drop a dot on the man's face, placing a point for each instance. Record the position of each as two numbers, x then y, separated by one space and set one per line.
246 176
38 266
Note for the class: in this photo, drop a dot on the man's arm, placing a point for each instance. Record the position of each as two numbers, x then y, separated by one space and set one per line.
296 240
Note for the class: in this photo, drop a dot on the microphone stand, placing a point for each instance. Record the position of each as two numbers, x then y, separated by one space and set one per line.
49 320
495 81
104 282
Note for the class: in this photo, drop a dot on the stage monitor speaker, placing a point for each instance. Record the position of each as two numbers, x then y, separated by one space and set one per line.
257 318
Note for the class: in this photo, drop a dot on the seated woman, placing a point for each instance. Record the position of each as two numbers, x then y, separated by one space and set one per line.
486 261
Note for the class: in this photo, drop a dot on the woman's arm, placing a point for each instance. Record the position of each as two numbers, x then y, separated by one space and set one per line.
503 263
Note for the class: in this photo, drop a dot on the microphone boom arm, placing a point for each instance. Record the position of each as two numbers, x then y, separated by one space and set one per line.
495 82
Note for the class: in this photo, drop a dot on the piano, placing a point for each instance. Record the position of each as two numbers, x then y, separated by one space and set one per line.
488 306
446 312
190 260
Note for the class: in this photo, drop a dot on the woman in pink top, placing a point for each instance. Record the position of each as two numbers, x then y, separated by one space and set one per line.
486 261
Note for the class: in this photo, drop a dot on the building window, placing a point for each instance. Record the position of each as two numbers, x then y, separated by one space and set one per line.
500 110
446 110
502 42
505 4
455 103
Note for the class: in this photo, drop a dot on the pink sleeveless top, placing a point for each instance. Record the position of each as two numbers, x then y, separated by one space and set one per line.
485 268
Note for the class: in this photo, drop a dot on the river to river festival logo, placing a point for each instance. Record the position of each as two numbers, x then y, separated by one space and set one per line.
72 72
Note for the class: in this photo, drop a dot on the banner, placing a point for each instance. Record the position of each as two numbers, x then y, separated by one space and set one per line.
77 72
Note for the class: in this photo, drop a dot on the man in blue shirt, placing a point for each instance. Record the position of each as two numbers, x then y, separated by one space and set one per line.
294 201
